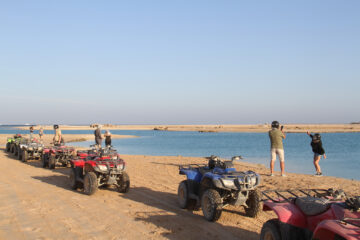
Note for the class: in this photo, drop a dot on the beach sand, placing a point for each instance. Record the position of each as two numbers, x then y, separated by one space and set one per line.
295 128
37 203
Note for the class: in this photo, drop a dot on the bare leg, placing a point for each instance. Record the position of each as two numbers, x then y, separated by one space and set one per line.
272 166
316 164
282 166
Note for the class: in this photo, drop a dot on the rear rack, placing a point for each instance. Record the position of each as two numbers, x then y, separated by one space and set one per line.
192 166
351 221
289 194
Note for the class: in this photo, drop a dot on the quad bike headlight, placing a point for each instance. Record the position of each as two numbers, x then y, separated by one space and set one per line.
120 166
229 183
102 167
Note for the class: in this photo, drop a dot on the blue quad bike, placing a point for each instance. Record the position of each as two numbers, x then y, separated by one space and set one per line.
217 184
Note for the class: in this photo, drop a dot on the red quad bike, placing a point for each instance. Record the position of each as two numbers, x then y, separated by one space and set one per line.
91 172
57 156
316 214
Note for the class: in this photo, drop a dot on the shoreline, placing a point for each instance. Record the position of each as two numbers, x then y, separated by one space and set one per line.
254 128
69 138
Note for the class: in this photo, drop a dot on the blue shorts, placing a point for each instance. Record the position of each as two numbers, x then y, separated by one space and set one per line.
317 154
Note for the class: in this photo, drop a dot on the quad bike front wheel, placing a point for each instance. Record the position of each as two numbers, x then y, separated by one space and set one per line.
270 230
124 183
253 203
211 205
90 183
51 162
74 184
24 155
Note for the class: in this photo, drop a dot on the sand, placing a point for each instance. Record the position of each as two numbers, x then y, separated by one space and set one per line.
295 128
37 203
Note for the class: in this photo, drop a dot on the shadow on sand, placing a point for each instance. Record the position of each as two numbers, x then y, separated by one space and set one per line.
179 223
56 180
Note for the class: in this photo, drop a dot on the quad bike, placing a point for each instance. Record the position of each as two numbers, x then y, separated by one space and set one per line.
57 156
217 184
317 214
15 146
11 141
30 150
93 171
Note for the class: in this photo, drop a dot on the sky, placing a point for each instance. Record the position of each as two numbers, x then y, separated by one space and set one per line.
179 62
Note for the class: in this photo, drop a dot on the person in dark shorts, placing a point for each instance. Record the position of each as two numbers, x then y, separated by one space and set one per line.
318 150
107 138
98 137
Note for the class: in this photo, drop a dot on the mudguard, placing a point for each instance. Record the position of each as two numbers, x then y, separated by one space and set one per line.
287 213
193 175
329 228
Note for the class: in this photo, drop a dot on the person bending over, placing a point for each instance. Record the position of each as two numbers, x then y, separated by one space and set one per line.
318 151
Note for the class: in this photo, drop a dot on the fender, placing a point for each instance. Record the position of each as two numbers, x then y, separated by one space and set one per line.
191 174
89 166
329 228
287 213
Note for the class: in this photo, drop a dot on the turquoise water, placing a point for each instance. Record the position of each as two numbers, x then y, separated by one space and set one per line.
342 149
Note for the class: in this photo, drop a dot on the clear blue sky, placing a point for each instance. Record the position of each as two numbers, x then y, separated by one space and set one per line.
179 62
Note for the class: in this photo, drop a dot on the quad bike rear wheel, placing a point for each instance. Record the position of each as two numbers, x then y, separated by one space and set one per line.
24 156
90 183
12 148
20 154
8 145
16 150
254 203
211 205
124 183
51 162
74 184
271 230
183 197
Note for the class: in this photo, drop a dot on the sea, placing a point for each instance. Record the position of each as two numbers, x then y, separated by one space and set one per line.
342 149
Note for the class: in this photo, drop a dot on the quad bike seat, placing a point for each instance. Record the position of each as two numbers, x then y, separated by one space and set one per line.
312 206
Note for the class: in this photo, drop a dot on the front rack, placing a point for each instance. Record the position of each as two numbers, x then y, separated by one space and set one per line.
289 194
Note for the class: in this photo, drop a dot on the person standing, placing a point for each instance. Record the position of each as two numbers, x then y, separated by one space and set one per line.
276 136
31 132
107 138
41 132
98 137
318 151
57 138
